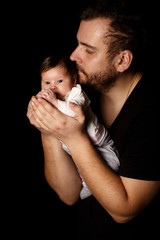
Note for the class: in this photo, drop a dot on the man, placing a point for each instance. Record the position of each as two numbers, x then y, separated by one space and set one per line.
108 58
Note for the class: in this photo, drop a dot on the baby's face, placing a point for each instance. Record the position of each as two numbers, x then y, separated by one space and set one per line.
58 80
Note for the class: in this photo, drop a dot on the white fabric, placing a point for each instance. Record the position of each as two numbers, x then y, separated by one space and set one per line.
98 133
77 96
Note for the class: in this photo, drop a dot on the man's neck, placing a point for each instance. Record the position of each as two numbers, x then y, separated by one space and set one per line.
114 99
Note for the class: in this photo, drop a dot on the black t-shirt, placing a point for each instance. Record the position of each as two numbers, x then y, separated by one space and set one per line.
133 132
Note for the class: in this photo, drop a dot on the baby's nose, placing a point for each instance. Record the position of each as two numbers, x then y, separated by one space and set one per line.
53 87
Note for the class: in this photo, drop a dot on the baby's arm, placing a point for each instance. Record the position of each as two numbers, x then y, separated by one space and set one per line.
48 95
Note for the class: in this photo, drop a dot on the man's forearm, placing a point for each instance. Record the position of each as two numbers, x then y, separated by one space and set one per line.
123 198
104 184
60 171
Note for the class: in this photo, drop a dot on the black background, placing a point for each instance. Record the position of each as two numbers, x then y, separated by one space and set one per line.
29 33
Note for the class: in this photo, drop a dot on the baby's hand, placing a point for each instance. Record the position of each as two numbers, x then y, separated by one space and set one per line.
47 94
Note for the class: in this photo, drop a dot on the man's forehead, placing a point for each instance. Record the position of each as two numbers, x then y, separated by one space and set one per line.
97 26
92 31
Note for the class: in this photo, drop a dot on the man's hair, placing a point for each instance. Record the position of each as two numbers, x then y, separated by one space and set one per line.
126 31
55 61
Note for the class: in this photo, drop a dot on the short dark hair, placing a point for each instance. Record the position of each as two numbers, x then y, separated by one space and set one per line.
127 31
57 60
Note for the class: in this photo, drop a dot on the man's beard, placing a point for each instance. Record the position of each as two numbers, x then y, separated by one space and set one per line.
101 80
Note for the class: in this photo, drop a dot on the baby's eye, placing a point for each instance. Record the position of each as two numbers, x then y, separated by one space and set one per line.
60 81
47 82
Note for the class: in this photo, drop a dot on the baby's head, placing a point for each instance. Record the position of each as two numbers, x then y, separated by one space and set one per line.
59 75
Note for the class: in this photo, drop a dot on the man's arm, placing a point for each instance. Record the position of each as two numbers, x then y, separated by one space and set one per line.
123 198
60 171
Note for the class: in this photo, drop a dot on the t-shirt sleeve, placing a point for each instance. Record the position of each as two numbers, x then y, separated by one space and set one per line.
139 158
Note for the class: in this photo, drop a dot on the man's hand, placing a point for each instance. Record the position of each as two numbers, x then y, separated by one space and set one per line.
30 114
50 120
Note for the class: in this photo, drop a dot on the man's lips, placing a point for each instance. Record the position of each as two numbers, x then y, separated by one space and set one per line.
80 70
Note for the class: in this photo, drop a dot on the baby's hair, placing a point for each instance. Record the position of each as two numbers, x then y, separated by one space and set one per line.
54 61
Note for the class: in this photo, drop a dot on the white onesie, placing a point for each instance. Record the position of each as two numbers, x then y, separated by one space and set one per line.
97 132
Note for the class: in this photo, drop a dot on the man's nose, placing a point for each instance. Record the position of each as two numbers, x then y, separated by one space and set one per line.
75 56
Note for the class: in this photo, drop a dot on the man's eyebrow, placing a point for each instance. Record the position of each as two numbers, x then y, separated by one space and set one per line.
87 45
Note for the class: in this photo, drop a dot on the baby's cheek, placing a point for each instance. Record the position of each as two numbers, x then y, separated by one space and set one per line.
44 87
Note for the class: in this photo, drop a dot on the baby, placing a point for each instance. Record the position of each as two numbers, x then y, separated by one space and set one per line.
59 87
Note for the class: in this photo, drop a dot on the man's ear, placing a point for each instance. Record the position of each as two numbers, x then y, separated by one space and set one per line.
124 60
